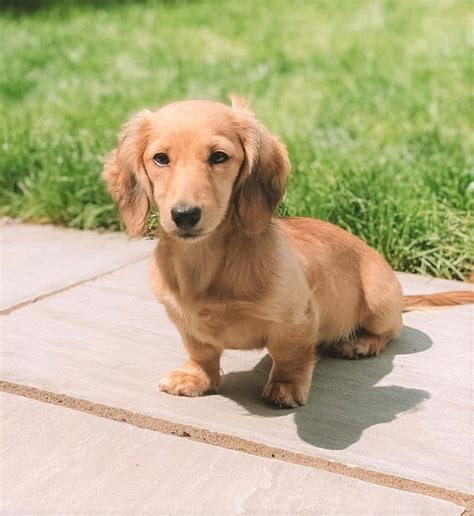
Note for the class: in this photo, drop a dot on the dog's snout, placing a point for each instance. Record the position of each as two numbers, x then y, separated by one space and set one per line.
185 216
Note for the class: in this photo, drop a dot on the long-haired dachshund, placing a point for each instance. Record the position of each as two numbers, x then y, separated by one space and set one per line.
229 273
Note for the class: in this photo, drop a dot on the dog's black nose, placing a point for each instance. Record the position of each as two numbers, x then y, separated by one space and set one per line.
185 216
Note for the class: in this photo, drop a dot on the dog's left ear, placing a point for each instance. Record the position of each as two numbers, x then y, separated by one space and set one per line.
266 168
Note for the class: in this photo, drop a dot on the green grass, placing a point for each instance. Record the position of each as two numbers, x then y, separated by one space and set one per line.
372 98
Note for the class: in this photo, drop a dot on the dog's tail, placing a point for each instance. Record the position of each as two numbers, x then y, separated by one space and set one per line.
438 300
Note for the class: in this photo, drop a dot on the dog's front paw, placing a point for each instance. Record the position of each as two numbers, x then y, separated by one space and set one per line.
186 383
284 394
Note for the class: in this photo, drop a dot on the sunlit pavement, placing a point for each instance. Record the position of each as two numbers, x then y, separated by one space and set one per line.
85 428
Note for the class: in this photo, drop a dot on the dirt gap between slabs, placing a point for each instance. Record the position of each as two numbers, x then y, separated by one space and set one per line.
10 309
239 444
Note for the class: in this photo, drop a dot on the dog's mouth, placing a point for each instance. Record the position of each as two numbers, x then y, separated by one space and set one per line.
189 236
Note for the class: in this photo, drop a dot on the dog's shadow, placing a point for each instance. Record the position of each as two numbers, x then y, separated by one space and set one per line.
344 399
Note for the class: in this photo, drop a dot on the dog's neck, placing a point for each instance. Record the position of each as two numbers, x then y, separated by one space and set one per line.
228 264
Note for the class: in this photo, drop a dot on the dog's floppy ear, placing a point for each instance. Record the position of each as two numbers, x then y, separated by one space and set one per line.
125 176
263 177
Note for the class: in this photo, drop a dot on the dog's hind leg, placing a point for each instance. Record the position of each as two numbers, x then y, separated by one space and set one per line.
376 331
360 345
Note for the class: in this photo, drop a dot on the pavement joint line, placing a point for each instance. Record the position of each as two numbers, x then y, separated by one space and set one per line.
14 308
239 444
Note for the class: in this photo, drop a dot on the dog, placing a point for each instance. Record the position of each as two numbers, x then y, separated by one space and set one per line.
230 274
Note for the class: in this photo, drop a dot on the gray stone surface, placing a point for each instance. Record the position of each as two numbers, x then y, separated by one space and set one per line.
37 260
407 412
57 460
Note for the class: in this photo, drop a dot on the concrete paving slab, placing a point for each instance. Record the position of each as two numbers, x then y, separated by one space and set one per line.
36 260
57 460
407 412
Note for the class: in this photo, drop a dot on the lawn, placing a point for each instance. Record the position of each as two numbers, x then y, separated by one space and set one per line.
373 99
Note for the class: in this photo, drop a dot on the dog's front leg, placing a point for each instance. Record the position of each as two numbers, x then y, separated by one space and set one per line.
200 374
290 378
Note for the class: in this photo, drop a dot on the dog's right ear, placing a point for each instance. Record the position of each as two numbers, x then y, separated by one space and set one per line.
125 176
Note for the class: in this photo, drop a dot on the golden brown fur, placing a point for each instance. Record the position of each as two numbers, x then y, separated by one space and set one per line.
240 278
438 300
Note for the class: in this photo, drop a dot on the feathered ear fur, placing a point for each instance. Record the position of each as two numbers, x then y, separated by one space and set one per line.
263 177
125 176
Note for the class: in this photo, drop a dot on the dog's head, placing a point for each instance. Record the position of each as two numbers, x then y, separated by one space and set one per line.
200 162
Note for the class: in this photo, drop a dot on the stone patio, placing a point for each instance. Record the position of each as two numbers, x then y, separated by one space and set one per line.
79 320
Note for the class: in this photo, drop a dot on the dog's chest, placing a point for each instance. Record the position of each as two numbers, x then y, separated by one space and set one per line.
210 307
225 326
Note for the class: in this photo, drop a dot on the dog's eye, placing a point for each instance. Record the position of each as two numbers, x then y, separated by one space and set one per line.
218 157
161 159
